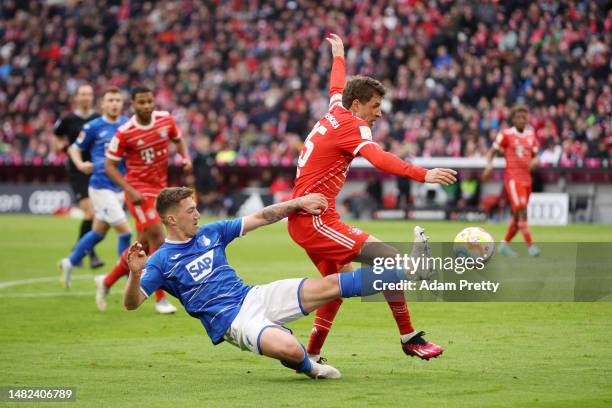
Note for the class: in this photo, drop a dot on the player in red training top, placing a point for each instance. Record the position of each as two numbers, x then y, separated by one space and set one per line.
341 135
143 141
520 149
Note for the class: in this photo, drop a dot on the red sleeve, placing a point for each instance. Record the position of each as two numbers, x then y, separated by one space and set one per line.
336 81
116 147
391 164
352 137
500 141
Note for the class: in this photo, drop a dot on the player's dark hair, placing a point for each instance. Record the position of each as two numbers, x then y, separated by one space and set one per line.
517 109
169 198
139 90
362 88
111 89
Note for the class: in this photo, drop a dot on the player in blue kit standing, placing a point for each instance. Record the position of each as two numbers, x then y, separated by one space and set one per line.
192 266
106 197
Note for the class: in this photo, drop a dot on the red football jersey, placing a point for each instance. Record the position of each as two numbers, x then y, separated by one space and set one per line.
146 151
519 148
337 139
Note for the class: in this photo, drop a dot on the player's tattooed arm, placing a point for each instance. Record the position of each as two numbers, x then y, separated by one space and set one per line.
311 203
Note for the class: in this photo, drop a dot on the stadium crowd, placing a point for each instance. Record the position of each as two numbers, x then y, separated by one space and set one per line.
247 79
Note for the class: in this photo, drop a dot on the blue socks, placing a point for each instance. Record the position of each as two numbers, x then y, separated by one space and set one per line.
84 246
304 366
123 242
350 283
361 281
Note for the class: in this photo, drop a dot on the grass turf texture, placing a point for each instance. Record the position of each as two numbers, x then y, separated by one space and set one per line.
496 354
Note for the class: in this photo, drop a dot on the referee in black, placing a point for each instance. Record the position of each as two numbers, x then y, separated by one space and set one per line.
66 130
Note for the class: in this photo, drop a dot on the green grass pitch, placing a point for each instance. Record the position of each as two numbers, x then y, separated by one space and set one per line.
496 354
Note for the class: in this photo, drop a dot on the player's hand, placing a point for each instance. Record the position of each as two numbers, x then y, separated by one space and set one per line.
86 167
487 173
187 165
441 176
337 46
134 195
533 165
137 258
313 203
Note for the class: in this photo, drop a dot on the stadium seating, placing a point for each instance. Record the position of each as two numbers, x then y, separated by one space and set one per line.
251 76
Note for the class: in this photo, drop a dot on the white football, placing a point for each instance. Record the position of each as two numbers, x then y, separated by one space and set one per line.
474 242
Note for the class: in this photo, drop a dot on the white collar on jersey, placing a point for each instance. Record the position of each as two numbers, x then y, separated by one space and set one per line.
169 241
107 119
144 127
523 133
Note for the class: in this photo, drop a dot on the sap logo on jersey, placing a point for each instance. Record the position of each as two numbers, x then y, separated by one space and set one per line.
201 266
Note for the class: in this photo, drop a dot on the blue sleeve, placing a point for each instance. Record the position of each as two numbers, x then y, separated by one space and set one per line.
86 138
228 229
152 279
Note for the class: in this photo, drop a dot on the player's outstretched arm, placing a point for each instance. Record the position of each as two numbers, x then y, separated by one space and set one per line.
311 203
133 297
338 72
389 163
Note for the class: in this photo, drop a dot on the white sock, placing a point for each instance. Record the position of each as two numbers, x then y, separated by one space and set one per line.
314 357
406 337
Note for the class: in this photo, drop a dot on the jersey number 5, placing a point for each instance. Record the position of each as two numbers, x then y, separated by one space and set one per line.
309 146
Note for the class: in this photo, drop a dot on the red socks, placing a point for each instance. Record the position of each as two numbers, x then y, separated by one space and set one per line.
120 269
400 311
325 316
322 325
512 229
524 227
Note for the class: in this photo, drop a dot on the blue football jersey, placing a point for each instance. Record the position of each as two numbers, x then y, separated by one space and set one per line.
94 138
198 274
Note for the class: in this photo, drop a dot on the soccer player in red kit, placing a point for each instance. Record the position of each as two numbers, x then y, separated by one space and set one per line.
341 135
520 148
143 141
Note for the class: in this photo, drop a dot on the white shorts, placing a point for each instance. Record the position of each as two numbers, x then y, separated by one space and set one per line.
108 205
271 305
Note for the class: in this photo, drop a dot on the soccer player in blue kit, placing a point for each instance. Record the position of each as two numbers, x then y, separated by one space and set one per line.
106 196
192 266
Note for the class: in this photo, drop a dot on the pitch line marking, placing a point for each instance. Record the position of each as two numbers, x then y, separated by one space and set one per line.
19 282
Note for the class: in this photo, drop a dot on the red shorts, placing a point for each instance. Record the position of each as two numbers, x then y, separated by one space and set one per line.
518 193
144 213
328 241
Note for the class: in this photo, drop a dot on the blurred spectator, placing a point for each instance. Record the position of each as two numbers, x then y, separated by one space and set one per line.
252 76
206 176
